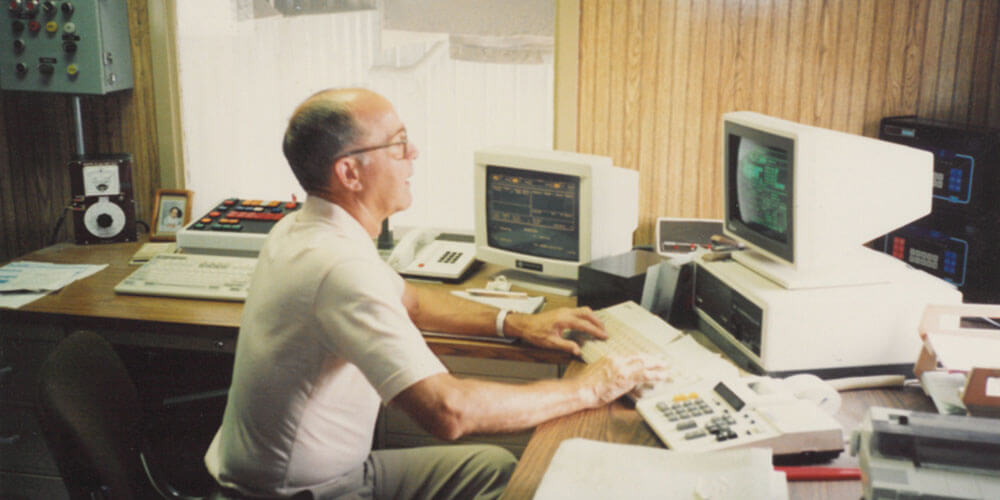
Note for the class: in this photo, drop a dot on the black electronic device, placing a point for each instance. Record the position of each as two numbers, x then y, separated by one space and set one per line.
961 252
957 241
611 280
103 207
966 161
662 286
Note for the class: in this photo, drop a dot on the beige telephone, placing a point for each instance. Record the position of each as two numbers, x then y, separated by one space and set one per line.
429 253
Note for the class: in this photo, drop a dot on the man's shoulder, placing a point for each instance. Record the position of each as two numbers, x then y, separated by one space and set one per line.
322 251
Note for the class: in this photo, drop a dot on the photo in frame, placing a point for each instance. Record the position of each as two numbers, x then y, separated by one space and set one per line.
171 212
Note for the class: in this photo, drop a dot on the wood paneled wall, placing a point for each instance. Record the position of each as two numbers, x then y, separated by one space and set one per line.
37 139
655 77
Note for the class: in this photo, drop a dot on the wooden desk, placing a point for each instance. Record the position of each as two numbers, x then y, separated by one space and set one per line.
620 423
91 303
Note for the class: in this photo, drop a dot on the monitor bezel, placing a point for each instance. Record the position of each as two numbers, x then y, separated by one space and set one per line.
735 227
573 164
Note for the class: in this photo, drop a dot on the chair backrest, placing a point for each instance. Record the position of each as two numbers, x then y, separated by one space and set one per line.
92 421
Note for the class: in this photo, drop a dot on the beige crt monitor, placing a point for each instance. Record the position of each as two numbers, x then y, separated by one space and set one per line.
807 295
544 213
805 199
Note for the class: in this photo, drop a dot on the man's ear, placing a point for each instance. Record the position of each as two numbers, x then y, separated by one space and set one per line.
347 171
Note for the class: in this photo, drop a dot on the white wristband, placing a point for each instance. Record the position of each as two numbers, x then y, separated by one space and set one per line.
501 317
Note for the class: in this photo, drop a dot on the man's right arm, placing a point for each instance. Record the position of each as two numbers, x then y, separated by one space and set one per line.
449 407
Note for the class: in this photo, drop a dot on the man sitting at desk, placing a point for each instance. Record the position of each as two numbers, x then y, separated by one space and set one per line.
329 330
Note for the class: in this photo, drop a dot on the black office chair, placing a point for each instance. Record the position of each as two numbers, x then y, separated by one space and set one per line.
94 425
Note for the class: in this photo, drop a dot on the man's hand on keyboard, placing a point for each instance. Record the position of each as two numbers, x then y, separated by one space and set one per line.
546 329
612 376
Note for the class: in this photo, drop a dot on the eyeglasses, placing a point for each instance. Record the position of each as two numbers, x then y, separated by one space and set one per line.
397 150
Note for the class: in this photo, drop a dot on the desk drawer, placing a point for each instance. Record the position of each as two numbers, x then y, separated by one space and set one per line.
162 341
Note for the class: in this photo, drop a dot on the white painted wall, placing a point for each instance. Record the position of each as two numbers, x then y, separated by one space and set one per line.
240 81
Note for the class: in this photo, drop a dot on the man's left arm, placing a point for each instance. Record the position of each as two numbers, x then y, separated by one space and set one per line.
439 311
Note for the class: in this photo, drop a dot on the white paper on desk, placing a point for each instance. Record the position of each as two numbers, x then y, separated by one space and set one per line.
29 276
16 300
25 281
527 305
586 469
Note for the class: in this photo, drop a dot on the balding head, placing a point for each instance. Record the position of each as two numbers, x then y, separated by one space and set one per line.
324 126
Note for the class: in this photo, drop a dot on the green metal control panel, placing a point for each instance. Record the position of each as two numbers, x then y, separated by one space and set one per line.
70 47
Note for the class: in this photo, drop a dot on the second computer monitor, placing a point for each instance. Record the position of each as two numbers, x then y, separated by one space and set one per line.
545 212
806 199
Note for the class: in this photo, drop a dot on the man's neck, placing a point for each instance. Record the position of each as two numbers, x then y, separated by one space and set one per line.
371 223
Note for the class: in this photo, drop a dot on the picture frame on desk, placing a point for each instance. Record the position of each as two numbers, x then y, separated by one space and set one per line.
171 212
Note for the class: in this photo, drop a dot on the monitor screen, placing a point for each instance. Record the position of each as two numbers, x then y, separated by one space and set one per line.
759 171
533 213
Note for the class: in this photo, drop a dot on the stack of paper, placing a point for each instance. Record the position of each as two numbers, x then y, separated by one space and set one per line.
24 281
585 469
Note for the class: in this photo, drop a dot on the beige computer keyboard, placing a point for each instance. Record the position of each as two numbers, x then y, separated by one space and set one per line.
191 276
634 330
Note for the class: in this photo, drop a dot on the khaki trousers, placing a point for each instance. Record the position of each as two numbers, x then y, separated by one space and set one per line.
433 472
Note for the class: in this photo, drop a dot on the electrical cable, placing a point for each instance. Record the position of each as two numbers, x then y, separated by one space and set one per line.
990 321
59 223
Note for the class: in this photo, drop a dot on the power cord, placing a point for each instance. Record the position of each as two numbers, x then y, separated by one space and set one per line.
990 321
59 223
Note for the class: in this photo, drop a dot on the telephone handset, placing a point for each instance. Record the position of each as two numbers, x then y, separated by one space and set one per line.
429 253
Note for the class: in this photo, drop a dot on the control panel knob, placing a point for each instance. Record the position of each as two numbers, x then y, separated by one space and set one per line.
67 8
21 68
18 45
69 47
72 70
104 220
31 7
49 8
34 26
46 69
14 5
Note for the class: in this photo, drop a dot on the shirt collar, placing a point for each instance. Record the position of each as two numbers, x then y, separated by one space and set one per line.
321 210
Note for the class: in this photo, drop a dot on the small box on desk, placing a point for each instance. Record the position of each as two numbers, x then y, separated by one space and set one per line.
661 285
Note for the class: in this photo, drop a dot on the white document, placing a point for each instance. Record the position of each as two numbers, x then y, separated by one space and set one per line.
24 281
583 469
526 305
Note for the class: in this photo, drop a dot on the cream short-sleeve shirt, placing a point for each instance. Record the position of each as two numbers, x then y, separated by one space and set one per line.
323 339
